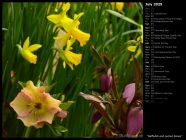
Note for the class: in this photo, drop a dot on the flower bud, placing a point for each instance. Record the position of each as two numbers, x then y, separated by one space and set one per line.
96 117
134 121
105 82
129 92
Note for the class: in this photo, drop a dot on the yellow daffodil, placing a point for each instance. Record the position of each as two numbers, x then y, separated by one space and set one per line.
68 56
27 50
133 49
57 18
69 25
35 107
119 6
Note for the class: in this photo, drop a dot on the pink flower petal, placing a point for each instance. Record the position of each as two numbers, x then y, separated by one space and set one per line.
62 114
24 114
39 124
129 92
21 104
105 83
26 96
134 121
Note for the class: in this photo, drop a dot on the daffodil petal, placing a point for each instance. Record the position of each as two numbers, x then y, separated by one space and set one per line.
77 16
30 57
70 65
26 43
69 43
67 23
138 53
73 57
76 22
119 6
131 48
82 37
56 18
34 47
66 7
70 58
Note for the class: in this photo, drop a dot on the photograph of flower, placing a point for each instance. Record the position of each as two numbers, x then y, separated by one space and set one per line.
72 69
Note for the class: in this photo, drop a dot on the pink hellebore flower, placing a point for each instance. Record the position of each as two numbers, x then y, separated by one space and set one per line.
105 82
129 92
134 121
35 107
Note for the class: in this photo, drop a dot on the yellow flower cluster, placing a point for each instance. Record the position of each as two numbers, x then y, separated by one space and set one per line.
71 32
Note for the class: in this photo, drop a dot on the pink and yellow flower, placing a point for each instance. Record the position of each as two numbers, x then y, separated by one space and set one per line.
35 107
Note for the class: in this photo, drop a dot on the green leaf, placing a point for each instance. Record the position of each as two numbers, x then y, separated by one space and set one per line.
123 34
48 88
56 95
39 83
122 17
96 55
60 128
62 98
66 105
107 60
4 29
22 84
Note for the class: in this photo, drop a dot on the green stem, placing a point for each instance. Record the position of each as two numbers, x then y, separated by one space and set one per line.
52 130
27 133
114 86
